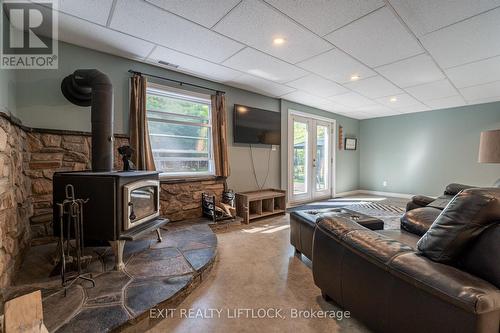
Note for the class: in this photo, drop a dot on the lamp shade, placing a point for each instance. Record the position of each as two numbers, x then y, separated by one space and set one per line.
489 147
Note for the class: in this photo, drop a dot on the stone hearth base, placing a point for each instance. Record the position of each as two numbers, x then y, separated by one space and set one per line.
156 275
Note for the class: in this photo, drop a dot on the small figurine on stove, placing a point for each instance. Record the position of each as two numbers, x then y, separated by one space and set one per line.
126 153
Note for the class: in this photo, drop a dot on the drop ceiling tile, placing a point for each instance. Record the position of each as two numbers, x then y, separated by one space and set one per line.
193 65
429 15
323 17
402 101
96 11
433 90
336 65
148 22
482 91
305 98
374 87
374 110
466 41
80 32
263 65
376 39
351 99
414 108
258 85
484 100
358 115
318 86
447 102
204 12
475 73
256 24
412 71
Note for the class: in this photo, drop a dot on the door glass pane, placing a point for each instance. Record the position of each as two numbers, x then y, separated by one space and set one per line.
321 163
300 155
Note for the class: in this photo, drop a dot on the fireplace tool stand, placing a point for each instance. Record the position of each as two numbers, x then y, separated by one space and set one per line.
71 212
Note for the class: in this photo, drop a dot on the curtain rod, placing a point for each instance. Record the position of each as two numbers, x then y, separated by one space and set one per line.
175 81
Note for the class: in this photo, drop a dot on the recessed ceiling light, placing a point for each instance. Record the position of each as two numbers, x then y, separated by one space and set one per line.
279 41
355 77
393 99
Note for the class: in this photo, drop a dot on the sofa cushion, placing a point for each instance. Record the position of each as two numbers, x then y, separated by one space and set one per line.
441 202
465 217
482 257
419 220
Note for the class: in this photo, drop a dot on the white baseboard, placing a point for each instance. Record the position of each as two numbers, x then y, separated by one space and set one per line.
387 194
345 194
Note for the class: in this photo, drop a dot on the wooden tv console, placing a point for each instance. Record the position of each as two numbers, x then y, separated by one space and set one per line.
256 204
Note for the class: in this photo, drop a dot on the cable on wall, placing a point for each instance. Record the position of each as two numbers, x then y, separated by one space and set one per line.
253 167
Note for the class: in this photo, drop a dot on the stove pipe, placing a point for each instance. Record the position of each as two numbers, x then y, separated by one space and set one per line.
90 87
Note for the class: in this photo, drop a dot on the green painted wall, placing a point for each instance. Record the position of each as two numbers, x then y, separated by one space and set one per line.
347 162
40 103
7 91
423 152
7 88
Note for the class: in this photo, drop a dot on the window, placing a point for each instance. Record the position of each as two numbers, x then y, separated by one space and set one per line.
180 129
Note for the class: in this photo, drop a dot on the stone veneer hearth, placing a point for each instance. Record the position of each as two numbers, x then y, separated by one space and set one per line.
29 157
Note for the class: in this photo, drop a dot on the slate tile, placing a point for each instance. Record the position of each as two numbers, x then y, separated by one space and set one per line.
161 267
146 294
98 319
57 308
200 257
108 288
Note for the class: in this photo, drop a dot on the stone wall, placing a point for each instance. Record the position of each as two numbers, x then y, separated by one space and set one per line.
28 160
182 200
15 201
52 152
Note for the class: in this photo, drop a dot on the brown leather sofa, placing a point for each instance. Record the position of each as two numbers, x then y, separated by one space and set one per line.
384 281
422 210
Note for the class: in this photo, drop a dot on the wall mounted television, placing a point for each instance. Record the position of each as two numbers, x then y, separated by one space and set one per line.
256 126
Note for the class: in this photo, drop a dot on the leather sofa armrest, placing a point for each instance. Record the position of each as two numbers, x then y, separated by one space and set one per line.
337 226
418 201
447 282
418 221
454 188
376 247
422 200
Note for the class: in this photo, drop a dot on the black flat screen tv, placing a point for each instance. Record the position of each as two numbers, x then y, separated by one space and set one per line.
252 125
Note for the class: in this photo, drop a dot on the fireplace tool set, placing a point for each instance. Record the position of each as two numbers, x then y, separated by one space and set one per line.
71 220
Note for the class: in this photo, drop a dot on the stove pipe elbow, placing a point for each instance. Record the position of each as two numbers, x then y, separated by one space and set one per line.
90 87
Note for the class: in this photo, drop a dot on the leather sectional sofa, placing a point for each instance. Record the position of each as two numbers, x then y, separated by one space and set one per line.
422 210
386 282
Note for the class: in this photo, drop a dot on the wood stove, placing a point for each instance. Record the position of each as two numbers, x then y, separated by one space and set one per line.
123 205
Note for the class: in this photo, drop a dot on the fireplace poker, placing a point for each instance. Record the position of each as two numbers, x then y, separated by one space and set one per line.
72 208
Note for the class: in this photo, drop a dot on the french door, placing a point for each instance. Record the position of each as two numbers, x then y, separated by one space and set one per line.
310 158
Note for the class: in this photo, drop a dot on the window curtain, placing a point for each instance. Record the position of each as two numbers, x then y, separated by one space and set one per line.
219 133
138 126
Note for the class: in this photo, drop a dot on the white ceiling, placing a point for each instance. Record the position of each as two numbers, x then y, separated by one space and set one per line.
410 55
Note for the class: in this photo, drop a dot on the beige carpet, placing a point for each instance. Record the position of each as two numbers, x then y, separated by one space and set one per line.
256 269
